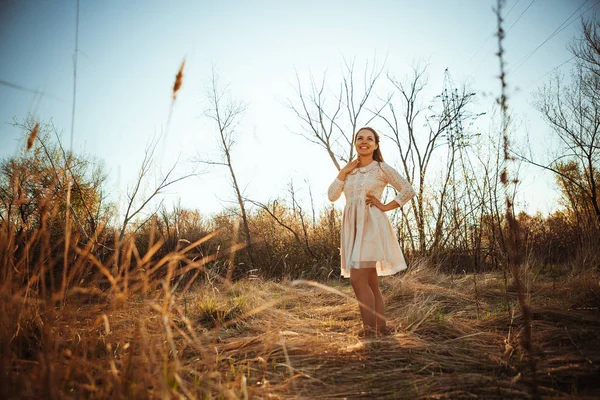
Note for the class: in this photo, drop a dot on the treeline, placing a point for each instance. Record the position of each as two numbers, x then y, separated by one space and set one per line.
288 241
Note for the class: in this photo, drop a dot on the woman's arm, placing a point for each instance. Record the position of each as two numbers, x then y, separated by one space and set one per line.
402 186
374 201
336 188
404 189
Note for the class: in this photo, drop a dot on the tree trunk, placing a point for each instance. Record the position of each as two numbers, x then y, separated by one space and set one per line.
242 209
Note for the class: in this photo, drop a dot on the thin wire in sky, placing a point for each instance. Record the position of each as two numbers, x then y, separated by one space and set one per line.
494 32
513 24
575 19
545 75
74 75
25 89
553 34
519 17
508 13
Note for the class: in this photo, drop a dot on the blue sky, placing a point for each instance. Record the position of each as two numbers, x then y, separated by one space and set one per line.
130 51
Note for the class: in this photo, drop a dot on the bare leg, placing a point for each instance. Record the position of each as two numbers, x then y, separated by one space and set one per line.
378 299
359 279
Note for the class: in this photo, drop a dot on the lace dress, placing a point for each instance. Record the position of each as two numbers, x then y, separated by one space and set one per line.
368 239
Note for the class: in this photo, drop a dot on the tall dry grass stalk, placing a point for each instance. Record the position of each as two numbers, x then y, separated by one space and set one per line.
178 80
176 87
514 255
33 136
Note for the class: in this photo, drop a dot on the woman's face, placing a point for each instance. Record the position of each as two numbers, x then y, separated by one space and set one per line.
365 143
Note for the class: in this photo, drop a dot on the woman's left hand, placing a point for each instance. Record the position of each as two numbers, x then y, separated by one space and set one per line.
374 201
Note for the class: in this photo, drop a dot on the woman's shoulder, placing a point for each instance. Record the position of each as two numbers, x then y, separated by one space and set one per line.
388 171
385 166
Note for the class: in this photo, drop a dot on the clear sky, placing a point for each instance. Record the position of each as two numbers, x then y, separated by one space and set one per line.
130 51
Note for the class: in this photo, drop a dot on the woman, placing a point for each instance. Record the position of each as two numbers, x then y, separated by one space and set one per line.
369 247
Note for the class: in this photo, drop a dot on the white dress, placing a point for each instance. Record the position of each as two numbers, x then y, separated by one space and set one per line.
368 239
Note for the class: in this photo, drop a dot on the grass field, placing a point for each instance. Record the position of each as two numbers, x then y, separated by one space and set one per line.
264 339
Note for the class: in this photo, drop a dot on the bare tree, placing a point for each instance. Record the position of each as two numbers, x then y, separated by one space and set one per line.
298 213
572 111
280 214
587 50
330 119
136 201
414 151
227 113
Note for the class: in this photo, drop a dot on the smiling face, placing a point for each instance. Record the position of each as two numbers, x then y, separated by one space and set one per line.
365 142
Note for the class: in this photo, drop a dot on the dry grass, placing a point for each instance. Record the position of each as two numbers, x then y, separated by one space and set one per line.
262 339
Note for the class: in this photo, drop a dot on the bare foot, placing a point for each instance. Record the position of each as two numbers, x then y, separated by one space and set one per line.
367 332
384 331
